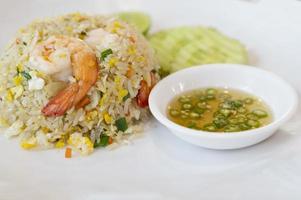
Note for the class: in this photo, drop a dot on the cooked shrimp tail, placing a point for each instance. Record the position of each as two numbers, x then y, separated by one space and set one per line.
63 101
84 69
144 91
85 101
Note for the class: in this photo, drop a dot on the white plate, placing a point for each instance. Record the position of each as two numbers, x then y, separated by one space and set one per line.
160 166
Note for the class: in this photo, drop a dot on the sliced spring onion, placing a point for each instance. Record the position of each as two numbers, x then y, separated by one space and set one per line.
183 116
232 128
244 127
26 75
191 125
199 110
126 97
252 116
195 115
174 112
253 123
260 113
220 123
187 106
240 118
184 99
103 141
211 91
210 97
248 100
241 110
209 127
203 98
202 105
105 53
233 121
225 112
237 103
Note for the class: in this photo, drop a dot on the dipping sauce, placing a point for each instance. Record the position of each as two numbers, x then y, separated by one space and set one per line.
219 110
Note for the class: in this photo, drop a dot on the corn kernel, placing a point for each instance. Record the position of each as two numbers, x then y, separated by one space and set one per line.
88 142
117 80
45 129
69 29
131 50
41 33
60 144
29 144
17 80
91 115
107 118
9 96
20 67
112 62
116 24
102 100
3 122
122 93
17 91
141 59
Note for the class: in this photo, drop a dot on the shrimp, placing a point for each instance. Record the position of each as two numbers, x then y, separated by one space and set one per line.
61 57
144 91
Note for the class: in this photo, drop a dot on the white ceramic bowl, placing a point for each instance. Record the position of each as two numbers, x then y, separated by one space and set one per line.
278 94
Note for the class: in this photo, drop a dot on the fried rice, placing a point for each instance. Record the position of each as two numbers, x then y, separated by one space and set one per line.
112 115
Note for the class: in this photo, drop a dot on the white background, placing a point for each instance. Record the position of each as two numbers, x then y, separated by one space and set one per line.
160 166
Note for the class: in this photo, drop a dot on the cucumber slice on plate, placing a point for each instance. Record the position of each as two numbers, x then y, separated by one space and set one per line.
182 47
140 20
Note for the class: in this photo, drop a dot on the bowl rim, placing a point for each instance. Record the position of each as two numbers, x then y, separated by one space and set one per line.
162 118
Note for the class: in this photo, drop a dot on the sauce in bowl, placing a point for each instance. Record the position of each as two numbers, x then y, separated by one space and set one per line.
219 110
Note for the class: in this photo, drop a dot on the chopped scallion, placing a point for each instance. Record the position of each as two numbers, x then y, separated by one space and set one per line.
26 75
126 97
103 141
105 53
121 124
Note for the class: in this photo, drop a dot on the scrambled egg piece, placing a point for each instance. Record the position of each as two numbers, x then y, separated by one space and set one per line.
131 50
81 143
3 122
60 144
91 115
36 83
29 143
17 91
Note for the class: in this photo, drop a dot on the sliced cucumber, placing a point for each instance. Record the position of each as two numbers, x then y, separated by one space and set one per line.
140 20
182 47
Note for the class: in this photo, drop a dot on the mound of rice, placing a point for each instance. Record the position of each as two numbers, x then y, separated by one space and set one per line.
113 114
